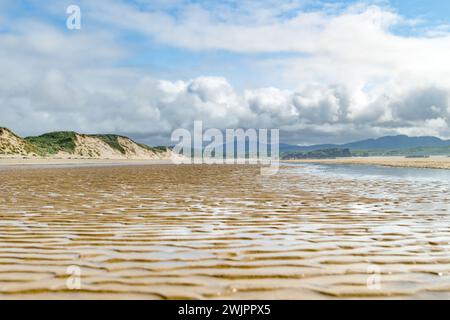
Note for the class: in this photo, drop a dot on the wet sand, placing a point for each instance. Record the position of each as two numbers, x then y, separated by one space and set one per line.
35 161
220 232
436 162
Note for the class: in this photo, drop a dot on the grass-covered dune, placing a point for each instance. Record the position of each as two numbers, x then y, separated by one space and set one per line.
69 143
54 142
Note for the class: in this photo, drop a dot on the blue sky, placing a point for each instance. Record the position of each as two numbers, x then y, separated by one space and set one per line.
321 71
172 62
429 9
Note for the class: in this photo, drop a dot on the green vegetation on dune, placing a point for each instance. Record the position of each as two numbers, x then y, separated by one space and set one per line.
53 142
144 146
158 149
161 149
29 148
112 140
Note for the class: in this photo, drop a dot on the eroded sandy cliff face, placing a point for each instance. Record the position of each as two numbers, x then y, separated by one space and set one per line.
13 145
123 148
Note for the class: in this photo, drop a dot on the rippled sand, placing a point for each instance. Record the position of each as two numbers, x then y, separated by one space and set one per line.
207 232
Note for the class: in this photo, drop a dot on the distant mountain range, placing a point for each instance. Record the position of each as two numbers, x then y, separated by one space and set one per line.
377 145
385 146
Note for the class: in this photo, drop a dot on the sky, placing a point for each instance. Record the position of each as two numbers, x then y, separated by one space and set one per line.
320 71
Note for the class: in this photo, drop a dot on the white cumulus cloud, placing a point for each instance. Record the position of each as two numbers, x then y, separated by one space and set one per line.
345 74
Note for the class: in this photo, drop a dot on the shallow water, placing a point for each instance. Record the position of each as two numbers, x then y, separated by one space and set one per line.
205 232
374 172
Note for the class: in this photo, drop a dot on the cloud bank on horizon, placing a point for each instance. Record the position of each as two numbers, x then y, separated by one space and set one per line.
321 71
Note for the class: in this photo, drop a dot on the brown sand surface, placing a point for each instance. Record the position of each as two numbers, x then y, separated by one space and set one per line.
219 232
36 161
436 162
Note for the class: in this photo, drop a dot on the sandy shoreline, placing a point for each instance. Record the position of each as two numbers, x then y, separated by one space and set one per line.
438 162
13 162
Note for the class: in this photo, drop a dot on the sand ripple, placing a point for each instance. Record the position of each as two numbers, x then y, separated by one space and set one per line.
206 232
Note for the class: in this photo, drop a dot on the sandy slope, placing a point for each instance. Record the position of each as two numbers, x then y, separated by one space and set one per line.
93 148
15 150
10 143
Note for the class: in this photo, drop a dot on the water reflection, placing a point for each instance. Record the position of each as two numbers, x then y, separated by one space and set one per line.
362 171
206 232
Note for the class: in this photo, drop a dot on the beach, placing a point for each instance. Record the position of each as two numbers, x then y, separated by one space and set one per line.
220 232
435 162
37 162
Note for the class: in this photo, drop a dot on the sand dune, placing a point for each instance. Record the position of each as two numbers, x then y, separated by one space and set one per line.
68 145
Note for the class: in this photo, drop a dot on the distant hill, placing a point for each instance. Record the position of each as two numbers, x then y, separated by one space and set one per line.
67 144
317 154
396 142
400 143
